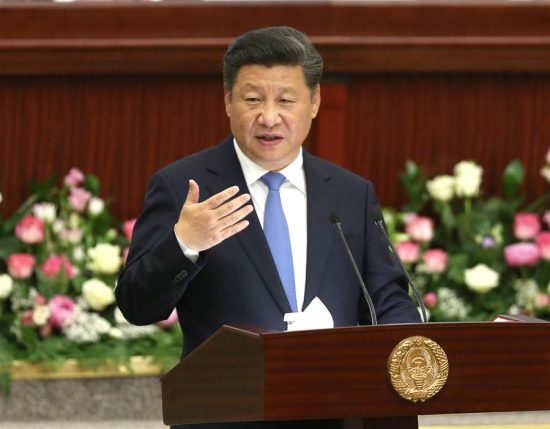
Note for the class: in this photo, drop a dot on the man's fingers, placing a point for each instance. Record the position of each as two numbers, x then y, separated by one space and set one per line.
217 200
234 217
233 229
231 206
193 194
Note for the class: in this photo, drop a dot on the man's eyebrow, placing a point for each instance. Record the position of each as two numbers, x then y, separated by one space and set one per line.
284 89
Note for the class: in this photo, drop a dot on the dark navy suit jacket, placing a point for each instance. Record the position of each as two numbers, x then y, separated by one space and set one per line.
236 282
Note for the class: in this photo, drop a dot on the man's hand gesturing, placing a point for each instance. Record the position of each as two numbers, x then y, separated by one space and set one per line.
203 225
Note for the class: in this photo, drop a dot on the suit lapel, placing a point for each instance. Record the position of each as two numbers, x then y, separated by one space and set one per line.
227 171
321 198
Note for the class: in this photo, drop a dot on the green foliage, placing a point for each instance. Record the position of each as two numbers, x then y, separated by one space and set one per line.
414 183
512 178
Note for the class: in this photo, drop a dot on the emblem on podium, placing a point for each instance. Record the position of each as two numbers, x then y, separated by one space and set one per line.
418 368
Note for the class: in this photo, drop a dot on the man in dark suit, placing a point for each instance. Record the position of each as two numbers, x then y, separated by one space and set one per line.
200 245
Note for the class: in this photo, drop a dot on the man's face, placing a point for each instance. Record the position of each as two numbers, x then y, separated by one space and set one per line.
270 112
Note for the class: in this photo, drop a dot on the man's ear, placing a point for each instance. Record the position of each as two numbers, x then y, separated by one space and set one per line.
227 99
315 100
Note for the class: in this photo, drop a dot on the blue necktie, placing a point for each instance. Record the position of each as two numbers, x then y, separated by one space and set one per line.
278 238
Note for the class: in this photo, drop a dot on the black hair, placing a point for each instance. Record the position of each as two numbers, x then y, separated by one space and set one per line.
271 47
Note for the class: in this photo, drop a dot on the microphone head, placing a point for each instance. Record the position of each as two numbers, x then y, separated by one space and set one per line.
334 218
376 215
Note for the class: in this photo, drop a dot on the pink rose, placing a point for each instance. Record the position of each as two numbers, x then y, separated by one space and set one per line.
26 318
436 260
21 265
30 230
408 251
542 301
46 330
526 225
173 318
40 299
410 217
53 264
520 254
74 178
128 228
543 243
421 229
62 309
79 198
430 300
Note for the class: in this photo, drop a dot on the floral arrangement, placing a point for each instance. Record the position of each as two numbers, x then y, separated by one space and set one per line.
474 258
60 257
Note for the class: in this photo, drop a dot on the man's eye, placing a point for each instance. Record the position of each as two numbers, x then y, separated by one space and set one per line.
252 100
285 101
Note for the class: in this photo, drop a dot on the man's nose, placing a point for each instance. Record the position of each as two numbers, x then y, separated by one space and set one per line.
269 116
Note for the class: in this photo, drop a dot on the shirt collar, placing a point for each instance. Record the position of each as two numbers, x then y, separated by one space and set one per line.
294 172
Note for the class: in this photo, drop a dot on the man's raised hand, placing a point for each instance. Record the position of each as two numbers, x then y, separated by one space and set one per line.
203 225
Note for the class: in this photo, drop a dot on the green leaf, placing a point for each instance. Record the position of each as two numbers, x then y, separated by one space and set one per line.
415 185
456 266
8 246
43 188
512 178
91 184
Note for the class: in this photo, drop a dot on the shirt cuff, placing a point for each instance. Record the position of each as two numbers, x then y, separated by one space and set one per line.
190 254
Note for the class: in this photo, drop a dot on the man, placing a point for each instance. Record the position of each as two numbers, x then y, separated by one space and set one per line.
199 245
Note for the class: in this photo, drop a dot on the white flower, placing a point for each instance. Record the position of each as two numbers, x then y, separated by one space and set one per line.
101 325
526 293
514 310
41 314
111 234
116 333
451 305
45 211
441 188
105 258
545 172
119 317
97 294
1 198
78 253
74 220
58 226
6 286
467 178
96 206
481 278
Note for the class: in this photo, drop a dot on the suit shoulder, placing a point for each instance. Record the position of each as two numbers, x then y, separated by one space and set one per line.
337 172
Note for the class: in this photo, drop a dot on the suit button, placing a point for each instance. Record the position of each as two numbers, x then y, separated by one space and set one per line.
182 274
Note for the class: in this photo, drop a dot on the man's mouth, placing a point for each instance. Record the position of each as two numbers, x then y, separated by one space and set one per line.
269 139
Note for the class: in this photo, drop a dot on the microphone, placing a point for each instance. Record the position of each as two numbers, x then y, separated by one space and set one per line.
376 215
337 222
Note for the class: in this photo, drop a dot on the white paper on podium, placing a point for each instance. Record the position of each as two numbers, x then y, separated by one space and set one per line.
315 316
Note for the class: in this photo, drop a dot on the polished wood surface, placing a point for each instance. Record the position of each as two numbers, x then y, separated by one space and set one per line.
342 373
191 37
122 89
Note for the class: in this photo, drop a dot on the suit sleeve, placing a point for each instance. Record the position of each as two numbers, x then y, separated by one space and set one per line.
157 273
383 277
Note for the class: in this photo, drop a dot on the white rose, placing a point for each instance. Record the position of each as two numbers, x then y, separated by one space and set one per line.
97 294
441 188
101 325
105 258
467 178
6 286
1 198
58 226
78 253
44 211
545 172
481 278
96 206
41 314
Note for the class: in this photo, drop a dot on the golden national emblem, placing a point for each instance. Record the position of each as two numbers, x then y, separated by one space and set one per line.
418 368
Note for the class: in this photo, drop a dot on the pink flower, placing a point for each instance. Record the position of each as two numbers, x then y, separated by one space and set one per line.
526 225
542 301
430 300
421 229
79 198
30 230
410 217
74 178
436 260
54 264
128 228
46 330
546 218
543 243
40 299
408 251
521 254
21 265
26 318
173 318
62 308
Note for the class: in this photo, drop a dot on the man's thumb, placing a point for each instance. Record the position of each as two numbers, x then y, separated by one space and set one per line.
193 195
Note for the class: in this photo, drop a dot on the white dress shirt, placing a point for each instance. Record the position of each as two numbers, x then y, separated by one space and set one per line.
294 202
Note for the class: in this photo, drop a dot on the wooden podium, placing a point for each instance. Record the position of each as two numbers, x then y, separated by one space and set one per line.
250 375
